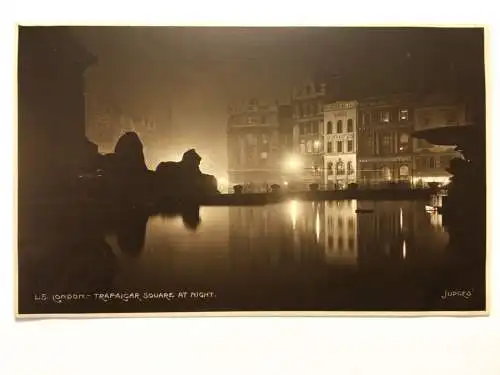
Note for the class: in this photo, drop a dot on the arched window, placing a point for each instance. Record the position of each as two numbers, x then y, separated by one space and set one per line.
404 171
339 126
349 126
329 127
340 168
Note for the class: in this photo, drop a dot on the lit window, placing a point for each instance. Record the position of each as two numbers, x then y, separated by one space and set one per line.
403 114
317 145
309 146
404 171
384 116
340 168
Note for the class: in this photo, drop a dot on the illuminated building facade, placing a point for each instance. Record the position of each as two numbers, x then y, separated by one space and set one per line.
253 146
307 103
431 161
340 119
384 145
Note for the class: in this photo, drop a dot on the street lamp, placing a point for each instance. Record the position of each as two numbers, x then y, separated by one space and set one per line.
293 163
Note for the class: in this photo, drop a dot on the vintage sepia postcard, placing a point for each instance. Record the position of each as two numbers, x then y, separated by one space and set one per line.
251 170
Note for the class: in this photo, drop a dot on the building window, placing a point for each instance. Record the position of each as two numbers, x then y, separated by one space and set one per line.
305 110
316 146
350 169
329 127
432 163
316 170
329 168
340 168
403 115
349 125
339 146
329 147
384 116
386 140
302 147
339 126
309 146
386 174
349 145
366 118
315 126
404 171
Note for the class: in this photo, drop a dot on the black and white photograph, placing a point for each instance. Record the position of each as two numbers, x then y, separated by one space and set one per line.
251 170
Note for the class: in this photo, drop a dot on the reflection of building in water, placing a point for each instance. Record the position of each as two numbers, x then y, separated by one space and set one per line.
340 235
291 231
398 231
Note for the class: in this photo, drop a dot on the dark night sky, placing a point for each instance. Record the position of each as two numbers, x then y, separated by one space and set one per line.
201 70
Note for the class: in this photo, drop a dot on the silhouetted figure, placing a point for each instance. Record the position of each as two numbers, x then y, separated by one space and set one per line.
184 179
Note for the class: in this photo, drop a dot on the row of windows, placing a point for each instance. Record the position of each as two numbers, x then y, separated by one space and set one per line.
340 146
340 127
311 127
401 115
341 168
308 109
433 162
311 146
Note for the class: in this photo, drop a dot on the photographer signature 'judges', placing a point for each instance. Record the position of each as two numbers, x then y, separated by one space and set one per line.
457 293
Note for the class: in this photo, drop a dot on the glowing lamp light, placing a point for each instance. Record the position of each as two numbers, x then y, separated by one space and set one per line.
285 183
316 143
293 163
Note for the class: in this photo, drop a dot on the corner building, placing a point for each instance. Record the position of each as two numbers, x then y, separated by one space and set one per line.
340 130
